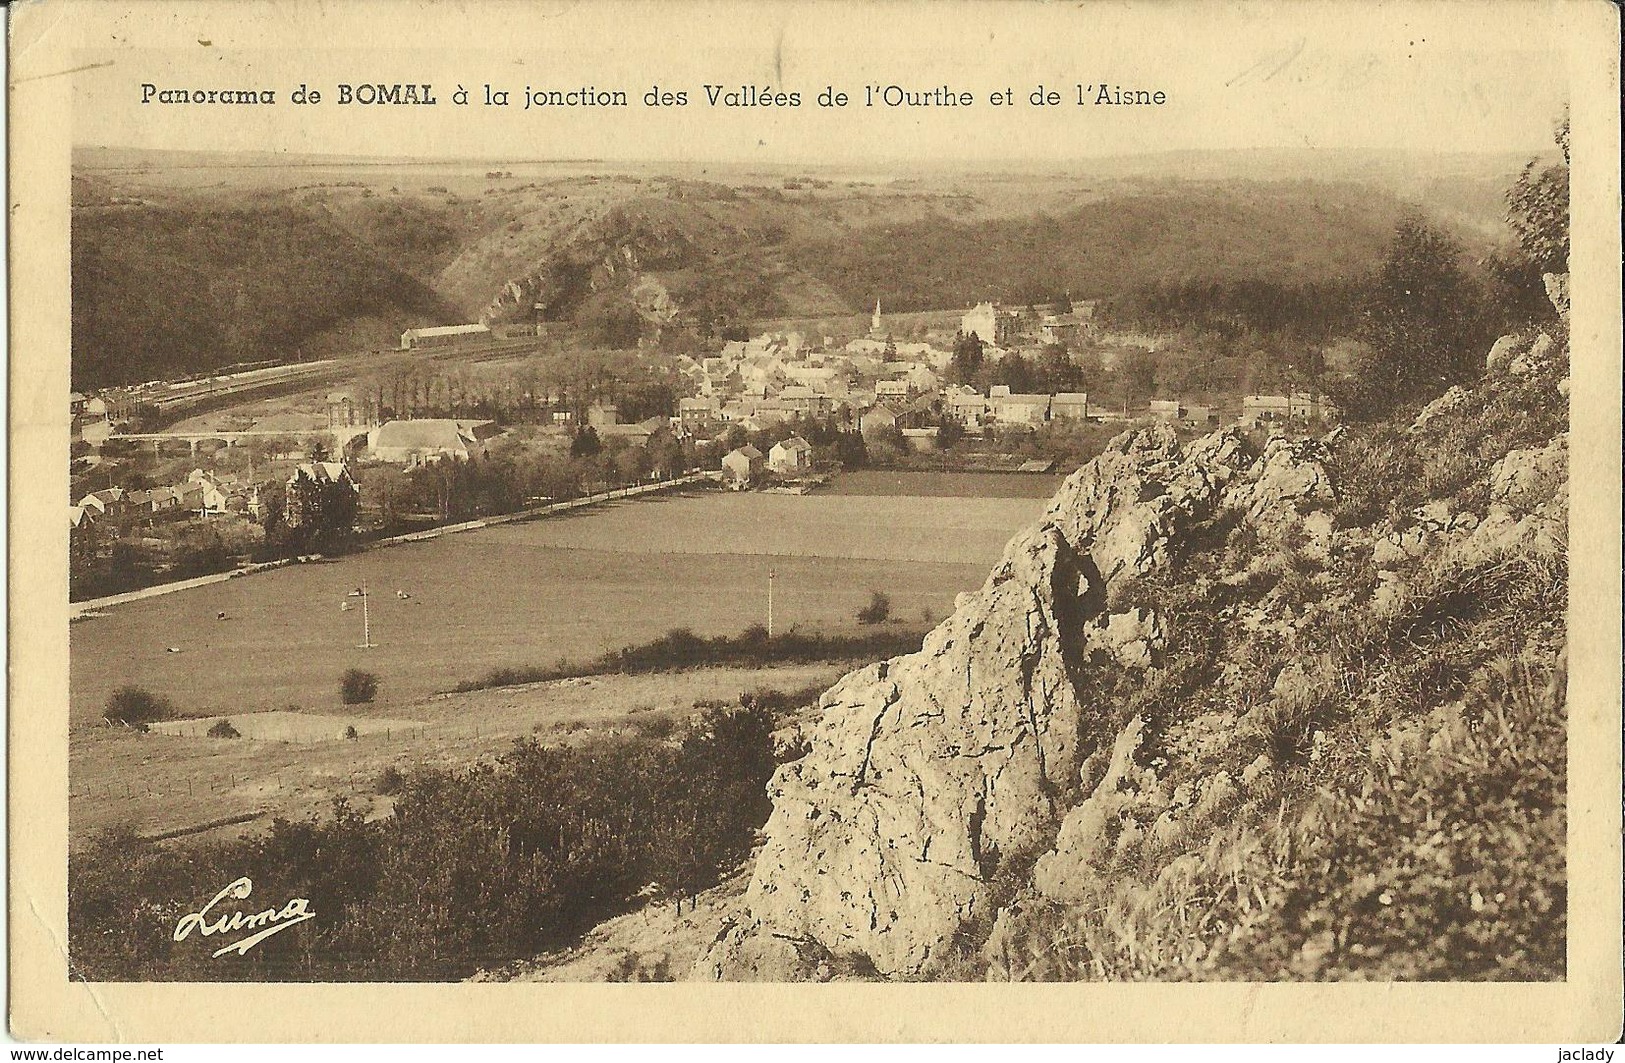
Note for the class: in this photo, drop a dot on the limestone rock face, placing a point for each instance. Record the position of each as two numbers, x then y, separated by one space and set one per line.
927 770
1533 359
1501 354
1288 474
1525 478
923 769
1557 290
1133 638
1452 399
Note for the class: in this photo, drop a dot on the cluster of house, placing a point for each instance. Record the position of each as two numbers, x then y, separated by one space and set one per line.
421 440
93 417
877 384
745 466
779 376
879 381
204 495
1281 409
1004 328
201 495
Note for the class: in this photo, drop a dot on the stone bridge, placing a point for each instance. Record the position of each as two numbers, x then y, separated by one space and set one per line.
342 437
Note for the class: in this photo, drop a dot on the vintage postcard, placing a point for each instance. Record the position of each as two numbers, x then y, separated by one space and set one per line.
849 511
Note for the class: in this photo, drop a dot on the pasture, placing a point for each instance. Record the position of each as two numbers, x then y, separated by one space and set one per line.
567 587
930 483
176 778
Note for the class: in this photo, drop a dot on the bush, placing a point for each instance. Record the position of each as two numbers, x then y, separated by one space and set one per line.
478 865
877 611
358 687
134 705
224 729
681 649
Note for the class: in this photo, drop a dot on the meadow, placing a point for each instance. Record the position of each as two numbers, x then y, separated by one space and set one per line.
531 594
925 483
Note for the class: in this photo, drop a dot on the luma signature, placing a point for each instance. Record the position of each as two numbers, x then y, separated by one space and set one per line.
208 922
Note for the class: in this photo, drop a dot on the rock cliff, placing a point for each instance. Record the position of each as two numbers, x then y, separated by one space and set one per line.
929 771
1048 734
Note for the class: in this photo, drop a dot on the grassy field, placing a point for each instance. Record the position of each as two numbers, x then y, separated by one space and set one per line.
513 596
163 782
530 594
926 526
932 484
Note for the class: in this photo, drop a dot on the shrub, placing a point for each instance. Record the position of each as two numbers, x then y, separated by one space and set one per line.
358 687
478 865
658 728
877 611
224 729
135 705
681 649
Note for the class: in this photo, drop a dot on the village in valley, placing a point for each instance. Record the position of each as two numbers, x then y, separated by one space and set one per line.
783 411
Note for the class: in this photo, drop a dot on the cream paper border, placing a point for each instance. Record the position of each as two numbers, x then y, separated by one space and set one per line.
45 39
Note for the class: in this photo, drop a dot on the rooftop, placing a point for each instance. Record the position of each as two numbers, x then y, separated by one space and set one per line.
447 330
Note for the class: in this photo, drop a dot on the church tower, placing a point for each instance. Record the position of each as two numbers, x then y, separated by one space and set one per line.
874 322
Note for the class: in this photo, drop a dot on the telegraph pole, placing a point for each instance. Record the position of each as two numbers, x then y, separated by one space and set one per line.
366 621
770 575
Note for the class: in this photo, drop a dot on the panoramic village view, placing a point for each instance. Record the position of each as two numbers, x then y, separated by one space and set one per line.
573 571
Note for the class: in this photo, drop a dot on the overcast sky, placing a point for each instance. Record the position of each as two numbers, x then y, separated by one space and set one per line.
1452 77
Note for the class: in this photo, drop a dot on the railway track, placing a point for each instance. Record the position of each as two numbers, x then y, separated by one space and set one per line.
211 394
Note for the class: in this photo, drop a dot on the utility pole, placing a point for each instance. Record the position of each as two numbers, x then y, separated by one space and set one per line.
366 621
770 575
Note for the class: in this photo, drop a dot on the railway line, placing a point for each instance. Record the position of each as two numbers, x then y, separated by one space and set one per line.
193 397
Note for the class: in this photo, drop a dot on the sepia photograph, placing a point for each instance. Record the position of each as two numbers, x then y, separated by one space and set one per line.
978 518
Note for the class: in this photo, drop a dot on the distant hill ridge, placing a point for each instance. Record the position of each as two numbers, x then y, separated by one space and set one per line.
181 268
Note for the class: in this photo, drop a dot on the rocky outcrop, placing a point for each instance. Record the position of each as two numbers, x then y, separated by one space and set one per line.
928 771
1557 290
967 807
1457 396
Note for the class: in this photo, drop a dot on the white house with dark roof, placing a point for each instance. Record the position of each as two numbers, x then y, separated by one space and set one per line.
793 455
743 465
1010 408
1072 405
108 501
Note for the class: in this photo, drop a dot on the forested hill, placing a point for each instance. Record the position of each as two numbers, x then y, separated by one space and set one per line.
1297 232
169 291
183 269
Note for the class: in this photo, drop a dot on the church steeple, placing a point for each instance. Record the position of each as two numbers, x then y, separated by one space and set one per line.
874 322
